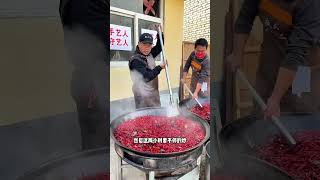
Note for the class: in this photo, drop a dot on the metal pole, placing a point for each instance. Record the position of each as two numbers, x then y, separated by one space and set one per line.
192 95
166 67
262 104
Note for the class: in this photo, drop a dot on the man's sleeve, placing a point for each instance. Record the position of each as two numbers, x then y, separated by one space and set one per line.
156 50
147 74
188 64
204 73
248 13
306 30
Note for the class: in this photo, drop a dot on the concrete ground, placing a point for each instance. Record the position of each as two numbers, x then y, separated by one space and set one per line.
129 172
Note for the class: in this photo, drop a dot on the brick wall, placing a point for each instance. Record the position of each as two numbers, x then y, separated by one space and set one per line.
196 20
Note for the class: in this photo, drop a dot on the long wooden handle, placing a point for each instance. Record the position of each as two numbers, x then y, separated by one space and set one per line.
263 106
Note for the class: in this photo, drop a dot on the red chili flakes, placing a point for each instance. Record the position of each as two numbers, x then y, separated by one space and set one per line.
101 176
183 134
301 161
203 112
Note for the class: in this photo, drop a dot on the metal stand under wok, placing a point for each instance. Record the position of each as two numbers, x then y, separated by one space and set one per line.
215 125
189 171
165 166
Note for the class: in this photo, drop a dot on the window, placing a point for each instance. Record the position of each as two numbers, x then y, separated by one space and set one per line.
135 21
120 55
143 24
130 5
148 25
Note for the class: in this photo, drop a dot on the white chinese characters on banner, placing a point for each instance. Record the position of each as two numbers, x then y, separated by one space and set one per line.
120 38
153 33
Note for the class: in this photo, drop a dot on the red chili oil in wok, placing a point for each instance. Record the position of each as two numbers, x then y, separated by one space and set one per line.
101 176
159 134
203 112
301 161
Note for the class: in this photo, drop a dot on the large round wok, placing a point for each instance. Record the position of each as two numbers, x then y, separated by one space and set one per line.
243 134
162 163
189 103
186 104
72 167
157 112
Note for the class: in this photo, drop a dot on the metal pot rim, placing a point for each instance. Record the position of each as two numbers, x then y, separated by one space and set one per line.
204 124
181 103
